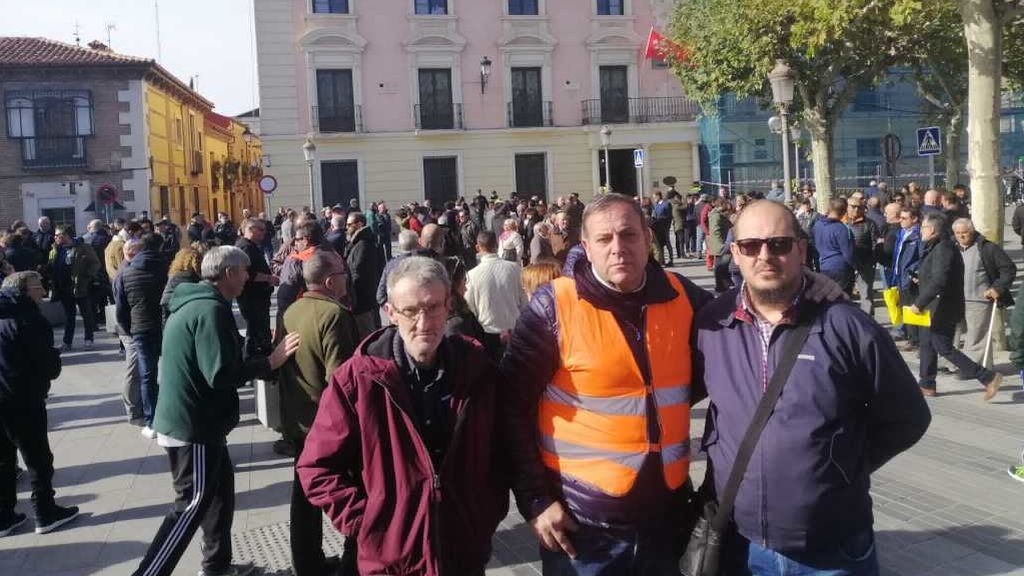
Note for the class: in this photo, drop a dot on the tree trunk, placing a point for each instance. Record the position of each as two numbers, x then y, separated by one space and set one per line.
820 128
954 124
983 33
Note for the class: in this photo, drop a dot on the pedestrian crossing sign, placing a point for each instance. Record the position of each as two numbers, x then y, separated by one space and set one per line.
929 141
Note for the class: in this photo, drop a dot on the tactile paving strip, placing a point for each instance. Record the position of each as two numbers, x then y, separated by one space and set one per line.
268 547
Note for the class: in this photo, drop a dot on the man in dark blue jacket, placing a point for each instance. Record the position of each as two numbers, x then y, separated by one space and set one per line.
906 259
834 242
137 293
849 406
28 362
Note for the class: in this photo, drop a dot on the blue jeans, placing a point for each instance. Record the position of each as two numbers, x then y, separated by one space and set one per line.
614 552
855 556
147 348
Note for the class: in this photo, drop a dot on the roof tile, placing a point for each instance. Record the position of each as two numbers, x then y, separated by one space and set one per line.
25 51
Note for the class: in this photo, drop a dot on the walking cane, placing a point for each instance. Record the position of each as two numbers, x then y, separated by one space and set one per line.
988 340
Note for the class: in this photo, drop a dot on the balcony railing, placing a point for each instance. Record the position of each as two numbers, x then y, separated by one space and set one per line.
328 119
641 111
438 118
530 116
53 152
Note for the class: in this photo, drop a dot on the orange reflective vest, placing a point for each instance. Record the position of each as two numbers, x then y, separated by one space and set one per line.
593 416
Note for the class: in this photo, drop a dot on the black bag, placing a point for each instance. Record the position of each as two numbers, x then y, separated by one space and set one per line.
704 549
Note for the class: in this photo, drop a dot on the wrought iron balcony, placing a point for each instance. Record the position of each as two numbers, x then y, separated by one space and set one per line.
640 110
53 152
438 117
328 119
529 116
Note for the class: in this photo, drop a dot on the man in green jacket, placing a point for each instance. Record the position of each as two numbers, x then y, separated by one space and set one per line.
201 370
72 267
328 336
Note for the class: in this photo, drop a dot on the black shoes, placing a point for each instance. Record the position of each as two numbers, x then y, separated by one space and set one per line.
10 522
55 518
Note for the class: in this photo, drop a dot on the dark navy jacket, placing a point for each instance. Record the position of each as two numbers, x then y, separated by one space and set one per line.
849 406
906 259
28 360
834 243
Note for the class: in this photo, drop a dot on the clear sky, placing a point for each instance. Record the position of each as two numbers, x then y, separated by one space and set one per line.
211 39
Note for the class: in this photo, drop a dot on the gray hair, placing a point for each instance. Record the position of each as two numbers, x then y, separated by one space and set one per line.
95 225
338 222
542 228
321 266
218 260
934 221
603 202
132 246
19 281
421 269
965 222
408 240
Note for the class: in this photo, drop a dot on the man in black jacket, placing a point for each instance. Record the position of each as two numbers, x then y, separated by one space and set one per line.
988 277
940 280
254 302
137 293
865 239
28 362
363 259
224 233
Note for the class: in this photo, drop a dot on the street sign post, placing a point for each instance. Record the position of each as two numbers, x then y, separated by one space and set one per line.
638 163
929 143
892 150
267 185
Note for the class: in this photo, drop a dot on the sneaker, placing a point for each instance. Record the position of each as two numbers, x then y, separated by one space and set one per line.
148 432
10 522
58 517
138 422
233 570
1015 472
992 388
88 345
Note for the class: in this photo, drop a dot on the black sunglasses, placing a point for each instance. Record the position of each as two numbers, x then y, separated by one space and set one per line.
777 246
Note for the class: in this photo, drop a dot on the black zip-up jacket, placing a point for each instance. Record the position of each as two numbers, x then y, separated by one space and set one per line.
529 365
138 289
28 360
941 283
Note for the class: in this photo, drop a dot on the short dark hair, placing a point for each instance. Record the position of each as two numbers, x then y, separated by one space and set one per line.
951 197
358 217
151 241
837 206
311 232
915 213
487 240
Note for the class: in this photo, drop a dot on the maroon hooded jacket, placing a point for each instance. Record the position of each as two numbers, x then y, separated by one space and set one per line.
366 466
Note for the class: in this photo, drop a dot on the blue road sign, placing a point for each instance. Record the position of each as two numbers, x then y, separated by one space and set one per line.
638 158
929 141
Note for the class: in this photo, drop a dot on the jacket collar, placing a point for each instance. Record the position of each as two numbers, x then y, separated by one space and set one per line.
656 290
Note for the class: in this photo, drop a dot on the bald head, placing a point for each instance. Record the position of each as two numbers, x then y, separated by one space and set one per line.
932 198
766 211
432 236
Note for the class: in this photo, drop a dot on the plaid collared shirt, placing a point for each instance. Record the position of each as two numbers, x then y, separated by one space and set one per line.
745 313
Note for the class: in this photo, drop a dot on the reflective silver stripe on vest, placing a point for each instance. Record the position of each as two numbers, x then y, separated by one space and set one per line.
624 406
675 452
671 396
561 448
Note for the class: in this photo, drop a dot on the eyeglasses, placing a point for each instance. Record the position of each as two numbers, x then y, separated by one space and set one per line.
414 313
777 246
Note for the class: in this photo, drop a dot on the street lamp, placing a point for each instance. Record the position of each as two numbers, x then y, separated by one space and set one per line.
248 136
309 152
795 134
606 140
485 72
783 81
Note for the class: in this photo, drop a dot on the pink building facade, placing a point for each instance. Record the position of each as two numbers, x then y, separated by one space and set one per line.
394 96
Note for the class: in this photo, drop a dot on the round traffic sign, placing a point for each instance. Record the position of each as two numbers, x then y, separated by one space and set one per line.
268 184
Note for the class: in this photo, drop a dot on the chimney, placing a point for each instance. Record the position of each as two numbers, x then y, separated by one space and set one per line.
98 46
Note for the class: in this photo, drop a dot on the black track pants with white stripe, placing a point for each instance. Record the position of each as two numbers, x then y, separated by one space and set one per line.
204 482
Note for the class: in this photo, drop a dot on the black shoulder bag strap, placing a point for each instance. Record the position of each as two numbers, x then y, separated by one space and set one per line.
794 343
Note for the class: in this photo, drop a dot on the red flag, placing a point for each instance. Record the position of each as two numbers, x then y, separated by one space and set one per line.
659 47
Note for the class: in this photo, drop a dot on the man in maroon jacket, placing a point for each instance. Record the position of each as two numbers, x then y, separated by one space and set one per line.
404 454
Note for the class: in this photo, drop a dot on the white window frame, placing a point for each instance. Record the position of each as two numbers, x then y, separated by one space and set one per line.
627 10
528 59
452 61
329 156
351 11
542 10
332 57
451 11
614 57
548 164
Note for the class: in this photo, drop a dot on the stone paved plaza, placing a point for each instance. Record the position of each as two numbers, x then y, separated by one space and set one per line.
947 507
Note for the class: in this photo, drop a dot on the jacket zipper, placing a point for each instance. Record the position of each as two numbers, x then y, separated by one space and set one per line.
436 485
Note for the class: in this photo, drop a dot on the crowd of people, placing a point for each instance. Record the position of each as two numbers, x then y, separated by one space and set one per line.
512 344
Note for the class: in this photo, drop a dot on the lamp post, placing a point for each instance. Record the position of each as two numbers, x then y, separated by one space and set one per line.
309 152
485 72
783 79
606 140
795 133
